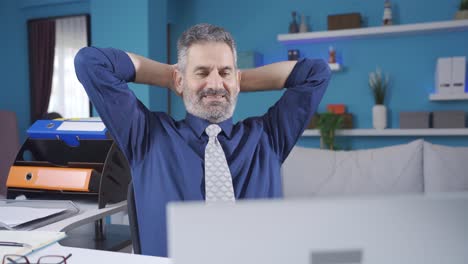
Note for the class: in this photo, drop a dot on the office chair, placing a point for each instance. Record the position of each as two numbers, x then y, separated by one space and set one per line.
133 220
9 145
52 115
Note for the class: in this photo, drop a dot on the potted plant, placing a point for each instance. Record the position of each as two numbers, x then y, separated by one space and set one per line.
327 124
378 85
462 12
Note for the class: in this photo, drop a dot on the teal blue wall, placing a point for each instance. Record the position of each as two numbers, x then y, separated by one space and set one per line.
14 69
139 26
127 29
136 26
410 59
158 17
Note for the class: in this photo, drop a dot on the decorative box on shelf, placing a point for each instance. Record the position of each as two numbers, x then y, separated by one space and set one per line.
449 119
344 21
409 120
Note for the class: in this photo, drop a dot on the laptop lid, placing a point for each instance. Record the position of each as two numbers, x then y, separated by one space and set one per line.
403 229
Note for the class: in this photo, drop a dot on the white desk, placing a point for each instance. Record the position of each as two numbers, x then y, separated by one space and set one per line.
82 228
85 256
88 214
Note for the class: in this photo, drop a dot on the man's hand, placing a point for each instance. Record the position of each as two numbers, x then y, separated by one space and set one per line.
268 77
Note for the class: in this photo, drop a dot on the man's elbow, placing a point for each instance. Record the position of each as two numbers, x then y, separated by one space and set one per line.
83 57
88 58
324 70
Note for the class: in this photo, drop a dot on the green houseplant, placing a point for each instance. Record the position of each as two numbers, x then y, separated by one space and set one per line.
378 84
462 12
463 5
327 124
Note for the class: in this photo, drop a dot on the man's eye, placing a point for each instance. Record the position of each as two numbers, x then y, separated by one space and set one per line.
225 73
201 74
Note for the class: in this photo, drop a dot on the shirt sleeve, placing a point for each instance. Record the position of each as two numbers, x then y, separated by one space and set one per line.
104 74
286 120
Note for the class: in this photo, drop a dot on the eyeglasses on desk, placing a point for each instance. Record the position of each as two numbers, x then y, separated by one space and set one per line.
48 259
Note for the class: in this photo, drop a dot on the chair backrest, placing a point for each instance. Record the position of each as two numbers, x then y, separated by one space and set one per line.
133 220
52 115
9 145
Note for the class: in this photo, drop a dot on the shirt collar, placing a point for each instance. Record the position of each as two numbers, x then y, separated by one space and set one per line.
199 125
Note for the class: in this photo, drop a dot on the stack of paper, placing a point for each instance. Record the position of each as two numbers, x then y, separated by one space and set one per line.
25 215
31 240
13 216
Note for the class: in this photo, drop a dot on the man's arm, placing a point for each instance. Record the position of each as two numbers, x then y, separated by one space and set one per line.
286 120
104 74
151 72
268 77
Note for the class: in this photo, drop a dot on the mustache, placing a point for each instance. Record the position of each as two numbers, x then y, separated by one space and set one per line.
213 92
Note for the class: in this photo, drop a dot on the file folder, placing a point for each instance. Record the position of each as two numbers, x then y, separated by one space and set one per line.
71 132
51 178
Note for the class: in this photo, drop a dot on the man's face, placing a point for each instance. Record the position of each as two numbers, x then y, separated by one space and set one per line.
210 83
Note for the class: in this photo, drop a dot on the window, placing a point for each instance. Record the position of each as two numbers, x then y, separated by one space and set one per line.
68 97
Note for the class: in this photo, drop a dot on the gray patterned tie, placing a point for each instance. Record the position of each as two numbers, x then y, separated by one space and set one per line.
218 181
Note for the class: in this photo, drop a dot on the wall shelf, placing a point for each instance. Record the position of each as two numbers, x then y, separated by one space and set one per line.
455 25
393 132
448 97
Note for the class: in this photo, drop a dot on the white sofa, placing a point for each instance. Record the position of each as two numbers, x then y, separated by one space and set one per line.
416 167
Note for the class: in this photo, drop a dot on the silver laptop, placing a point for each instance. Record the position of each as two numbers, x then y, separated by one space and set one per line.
403 230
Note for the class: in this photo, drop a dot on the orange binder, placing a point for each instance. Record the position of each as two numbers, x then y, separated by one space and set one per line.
52 178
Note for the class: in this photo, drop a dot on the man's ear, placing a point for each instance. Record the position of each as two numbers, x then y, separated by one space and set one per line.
178 79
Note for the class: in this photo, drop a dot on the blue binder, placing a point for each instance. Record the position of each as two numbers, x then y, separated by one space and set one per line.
71 132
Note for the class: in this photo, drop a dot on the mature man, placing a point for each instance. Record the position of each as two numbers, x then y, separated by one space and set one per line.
205 156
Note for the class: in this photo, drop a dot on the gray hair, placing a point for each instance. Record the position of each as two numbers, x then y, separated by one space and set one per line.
202 33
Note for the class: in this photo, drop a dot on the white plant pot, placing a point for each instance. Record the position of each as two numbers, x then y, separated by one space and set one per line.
379 116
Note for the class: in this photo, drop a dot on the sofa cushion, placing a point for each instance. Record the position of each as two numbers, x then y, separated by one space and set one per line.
388 170
445 168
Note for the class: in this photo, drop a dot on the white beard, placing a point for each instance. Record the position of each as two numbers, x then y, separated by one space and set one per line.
215 112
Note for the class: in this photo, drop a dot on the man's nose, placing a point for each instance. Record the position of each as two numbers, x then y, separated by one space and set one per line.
215 80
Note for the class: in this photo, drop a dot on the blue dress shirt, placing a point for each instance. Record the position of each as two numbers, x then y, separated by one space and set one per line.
167 156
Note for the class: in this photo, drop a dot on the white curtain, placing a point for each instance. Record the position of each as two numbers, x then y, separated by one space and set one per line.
68 97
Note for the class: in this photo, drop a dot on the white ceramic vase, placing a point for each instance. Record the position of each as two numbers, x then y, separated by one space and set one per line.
379 116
